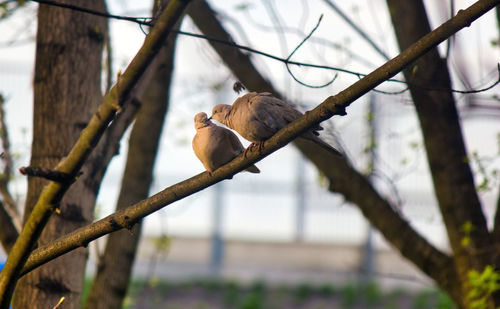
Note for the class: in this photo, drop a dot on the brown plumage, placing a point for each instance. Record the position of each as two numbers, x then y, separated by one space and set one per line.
214 145
258 116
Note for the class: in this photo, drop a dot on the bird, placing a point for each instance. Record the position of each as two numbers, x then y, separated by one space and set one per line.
258 116
214 145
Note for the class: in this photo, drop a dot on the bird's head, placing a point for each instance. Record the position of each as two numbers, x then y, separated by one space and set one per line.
220 113
201 120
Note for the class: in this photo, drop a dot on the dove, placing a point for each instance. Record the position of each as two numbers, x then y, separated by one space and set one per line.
214 145
258 116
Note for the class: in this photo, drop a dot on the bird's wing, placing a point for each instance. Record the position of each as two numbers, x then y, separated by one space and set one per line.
231 142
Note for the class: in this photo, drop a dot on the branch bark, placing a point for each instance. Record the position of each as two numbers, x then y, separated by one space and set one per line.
334 105
53 192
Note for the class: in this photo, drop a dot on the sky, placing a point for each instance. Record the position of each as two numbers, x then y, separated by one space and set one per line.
263 207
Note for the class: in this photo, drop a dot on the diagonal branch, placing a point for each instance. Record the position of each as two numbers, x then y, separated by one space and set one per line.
332 167
334 105
89 137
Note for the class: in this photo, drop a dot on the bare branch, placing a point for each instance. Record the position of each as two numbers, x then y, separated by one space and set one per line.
293 52
57 176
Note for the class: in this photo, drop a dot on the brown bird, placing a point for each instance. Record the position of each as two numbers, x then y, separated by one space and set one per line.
214 145
258 116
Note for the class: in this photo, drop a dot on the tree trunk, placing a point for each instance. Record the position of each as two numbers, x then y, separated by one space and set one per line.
113 273
67 89
444 144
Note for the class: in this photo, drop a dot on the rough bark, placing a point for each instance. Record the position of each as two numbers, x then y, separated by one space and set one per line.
113 274
67 87
452 177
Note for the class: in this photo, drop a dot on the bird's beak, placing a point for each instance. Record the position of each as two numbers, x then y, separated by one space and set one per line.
210 118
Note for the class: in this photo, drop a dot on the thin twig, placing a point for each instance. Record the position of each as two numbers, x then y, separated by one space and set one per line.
357 29
147 21
293 52
57 176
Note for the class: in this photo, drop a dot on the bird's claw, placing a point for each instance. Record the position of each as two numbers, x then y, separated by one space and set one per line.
260 146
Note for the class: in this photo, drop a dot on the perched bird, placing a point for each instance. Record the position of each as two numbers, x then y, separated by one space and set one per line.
214 145
258 116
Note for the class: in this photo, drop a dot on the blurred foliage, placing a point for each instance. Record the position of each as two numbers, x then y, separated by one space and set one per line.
483 285
214 293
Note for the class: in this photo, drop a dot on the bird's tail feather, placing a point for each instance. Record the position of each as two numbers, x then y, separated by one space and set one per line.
253 169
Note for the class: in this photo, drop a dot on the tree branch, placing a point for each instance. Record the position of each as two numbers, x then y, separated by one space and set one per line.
334 105
89 137
333 167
